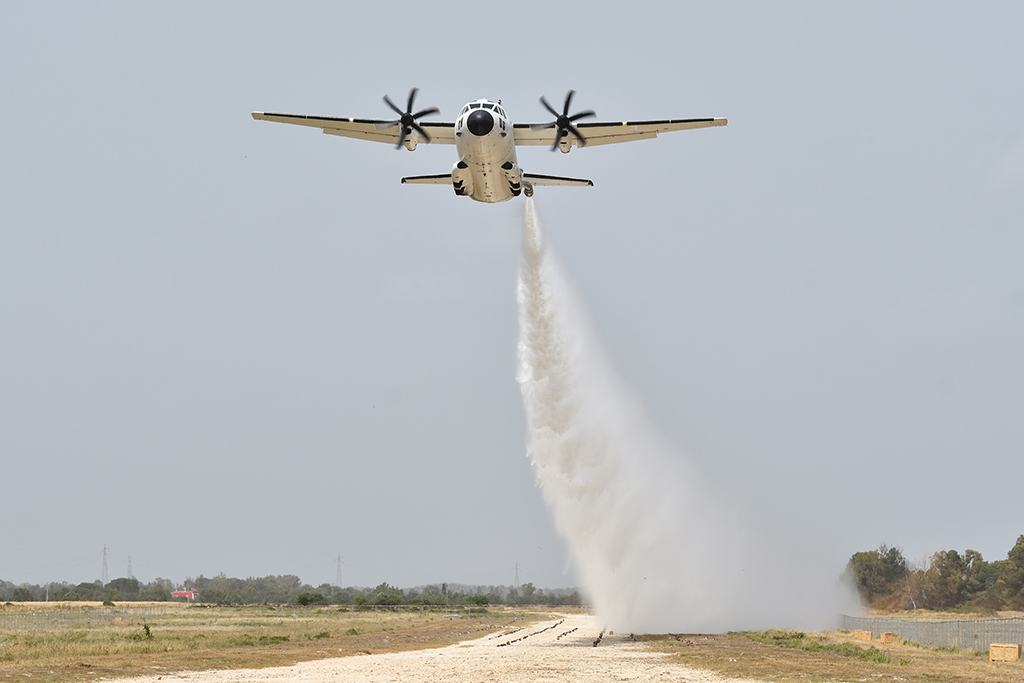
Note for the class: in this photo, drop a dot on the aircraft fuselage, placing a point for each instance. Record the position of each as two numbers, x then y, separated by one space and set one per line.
487 169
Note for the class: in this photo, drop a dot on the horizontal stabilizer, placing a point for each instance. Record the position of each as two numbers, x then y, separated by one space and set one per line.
439 179
537 179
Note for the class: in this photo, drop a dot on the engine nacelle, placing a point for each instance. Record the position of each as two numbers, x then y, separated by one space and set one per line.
411 138
565 144
462 179
514 177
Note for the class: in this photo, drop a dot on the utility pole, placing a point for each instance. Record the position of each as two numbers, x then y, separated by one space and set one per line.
103 576
337 579
129 566
516 584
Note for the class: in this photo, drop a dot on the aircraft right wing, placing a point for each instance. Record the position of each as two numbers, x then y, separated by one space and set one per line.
363 129
607 132
537 179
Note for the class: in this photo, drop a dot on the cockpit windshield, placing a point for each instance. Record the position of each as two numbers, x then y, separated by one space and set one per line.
483 105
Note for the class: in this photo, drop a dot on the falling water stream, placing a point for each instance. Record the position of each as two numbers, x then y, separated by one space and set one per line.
657 546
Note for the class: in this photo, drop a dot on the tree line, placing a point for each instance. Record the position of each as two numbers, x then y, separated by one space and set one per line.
948 580
286 589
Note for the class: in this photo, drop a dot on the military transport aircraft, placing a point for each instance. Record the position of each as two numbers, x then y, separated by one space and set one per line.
485 140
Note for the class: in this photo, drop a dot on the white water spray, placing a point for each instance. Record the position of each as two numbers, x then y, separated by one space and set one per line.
656 547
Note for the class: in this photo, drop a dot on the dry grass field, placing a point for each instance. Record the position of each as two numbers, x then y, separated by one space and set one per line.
788 656
200 638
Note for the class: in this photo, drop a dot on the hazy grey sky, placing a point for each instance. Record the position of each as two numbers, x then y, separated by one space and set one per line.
242 347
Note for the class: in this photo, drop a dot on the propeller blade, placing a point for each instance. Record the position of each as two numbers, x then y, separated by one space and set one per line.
568 101
407 119
426 112
579 136
424 134
558 139
549 107
563 122
582 115
387 101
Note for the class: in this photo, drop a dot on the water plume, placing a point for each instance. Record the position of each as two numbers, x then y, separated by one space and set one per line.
657 547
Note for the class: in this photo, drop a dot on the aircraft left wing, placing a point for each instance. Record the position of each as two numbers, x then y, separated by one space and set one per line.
607 132
363 129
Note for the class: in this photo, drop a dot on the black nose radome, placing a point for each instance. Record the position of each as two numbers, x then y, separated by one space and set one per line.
480 122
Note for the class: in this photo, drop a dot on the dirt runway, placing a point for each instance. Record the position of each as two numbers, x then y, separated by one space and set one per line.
554 650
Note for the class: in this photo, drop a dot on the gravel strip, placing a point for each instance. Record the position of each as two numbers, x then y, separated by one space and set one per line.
556 650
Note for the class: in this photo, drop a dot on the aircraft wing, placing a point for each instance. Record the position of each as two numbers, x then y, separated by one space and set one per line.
537 179
534 178
605 133
364 129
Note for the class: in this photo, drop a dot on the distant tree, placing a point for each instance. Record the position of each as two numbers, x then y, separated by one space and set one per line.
882 577
572 598
477 600
528 589
385 594
126 589
388 599
23 593
1010 580
158 594
944 583
89 591
214 596
310 599
164 584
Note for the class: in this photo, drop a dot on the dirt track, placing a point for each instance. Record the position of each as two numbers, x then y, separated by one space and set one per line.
539 656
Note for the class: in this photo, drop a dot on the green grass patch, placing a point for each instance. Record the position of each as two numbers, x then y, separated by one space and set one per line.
801 641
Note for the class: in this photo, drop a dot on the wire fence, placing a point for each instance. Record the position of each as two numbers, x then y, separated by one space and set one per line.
965 634
60 618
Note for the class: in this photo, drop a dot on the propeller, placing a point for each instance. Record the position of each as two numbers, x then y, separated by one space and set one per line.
563 122
407 119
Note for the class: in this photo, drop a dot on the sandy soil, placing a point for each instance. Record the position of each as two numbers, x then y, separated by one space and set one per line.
556 650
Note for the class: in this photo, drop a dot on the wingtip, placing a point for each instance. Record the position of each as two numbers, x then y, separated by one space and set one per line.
258 115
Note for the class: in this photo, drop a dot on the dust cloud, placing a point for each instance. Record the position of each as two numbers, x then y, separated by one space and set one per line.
657 546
